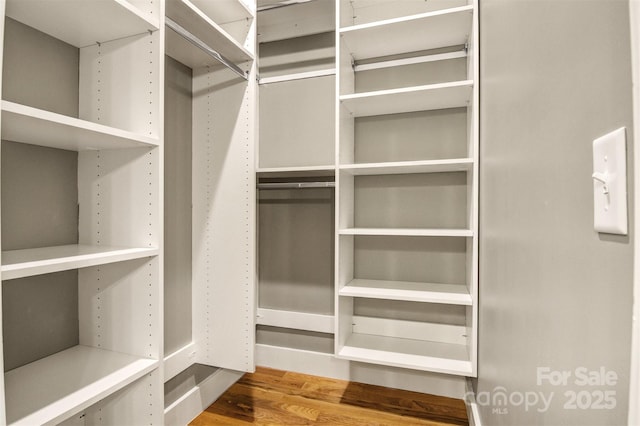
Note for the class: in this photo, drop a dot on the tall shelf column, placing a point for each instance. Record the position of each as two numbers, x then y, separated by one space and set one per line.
407 186
82 97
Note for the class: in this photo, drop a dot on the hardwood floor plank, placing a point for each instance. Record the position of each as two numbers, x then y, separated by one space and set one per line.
277 397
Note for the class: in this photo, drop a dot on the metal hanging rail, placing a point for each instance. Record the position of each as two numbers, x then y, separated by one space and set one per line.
205 48
296 185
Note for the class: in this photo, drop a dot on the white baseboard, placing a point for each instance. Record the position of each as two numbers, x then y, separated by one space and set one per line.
472 407
326 365
196 400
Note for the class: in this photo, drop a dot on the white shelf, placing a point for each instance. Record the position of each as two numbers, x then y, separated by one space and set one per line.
409 99
83 23
223 11
297 76
431 30
408 232
404 167
190 17
49 390
452 294
408 353
276 172
29 262
21 123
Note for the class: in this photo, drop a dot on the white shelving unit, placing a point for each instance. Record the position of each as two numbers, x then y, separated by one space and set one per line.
210 173
429 269
54 388
297 69
112 371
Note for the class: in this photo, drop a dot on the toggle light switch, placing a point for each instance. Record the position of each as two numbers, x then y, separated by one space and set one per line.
610 183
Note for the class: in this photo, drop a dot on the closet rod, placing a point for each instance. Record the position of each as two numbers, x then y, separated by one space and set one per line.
204 47
296 185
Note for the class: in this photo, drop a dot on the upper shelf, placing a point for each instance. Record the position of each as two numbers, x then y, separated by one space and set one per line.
83 23
223 11
431 30
408 99
21 123
295 19
404 167
54 388
44 260
199 24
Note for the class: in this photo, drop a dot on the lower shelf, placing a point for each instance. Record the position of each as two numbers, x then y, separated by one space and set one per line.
408 353
54 388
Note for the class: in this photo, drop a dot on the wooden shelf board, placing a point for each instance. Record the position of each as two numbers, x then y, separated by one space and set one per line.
83 23
224 11
408 99
404 167
425 31
51 389
21 123
191 18
408 353
452 294
408 232
44 260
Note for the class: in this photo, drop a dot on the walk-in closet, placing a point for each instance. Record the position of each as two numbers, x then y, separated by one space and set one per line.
228 184
199 194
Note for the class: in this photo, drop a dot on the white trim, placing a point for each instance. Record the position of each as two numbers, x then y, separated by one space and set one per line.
179 361
301 361
297 76
410 61
634 389
326 365
473 413
197 399
295 320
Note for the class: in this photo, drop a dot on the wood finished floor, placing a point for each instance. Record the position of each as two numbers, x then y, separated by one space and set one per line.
274 397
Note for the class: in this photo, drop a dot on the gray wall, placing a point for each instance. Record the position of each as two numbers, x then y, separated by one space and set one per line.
177 201
553 293
39 198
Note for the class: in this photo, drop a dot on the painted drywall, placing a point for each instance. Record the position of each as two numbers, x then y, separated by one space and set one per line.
39 70
39 198
295 250
177 211
555 296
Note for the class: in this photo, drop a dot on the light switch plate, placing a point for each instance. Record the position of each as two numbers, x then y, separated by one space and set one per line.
610 183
